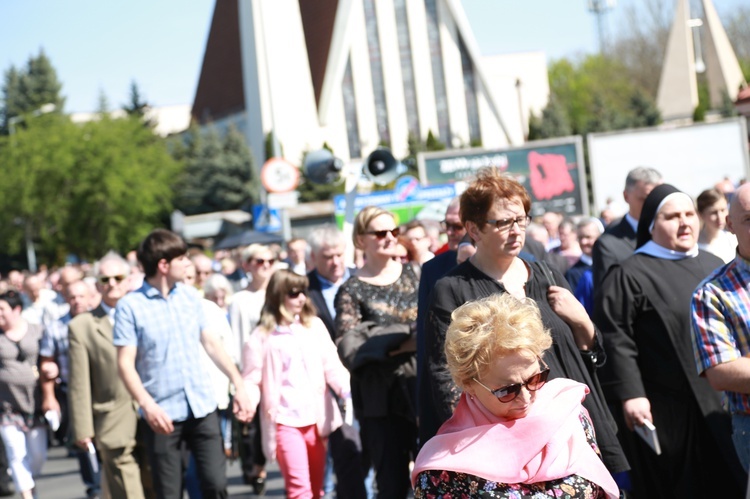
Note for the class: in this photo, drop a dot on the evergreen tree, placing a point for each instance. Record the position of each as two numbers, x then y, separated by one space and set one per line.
552 123
136 106
219 173
27 90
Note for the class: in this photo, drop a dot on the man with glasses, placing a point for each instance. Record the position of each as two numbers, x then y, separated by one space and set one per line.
54 352
204 267
102 412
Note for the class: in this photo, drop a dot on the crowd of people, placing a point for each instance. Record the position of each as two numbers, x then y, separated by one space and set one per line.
488 355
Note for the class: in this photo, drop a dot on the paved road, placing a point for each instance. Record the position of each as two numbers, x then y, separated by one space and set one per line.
60 479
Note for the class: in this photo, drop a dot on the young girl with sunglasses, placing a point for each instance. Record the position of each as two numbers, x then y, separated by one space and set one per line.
513 433
291 366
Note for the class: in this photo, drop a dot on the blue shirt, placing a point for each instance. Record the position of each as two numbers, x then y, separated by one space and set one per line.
166 332
54 343
329 289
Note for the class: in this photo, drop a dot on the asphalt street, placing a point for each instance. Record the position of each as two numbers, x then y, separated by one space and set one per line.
60 479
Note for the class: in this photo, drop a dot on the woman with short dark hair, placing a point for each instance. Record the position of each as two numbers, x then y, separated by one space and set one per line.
22 425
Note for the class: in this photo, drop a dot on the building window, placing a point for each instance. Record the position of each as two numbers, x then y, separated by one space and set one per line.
438 74
407 68
376 70
470 91
350 112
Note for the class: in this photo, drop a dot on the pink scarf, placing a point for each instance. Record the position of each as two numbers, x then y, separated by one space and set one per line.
548 444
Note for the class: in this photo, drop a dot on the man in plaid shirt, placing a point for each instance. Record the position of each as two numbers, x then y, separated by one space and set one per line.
721 326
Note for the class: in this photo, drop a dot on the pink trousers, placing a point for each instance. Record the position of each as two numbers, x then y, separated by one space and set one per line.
301 453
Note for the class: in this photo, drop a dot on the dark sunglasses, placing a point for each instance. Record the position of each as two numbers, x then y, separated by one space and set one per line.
296 292
21 356
105 279
446 226
380 234
261 261
504 224
509 393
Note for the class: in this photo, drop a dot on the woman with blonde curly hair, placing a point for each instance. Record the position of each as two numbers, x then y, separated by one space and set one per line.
513 433
292 362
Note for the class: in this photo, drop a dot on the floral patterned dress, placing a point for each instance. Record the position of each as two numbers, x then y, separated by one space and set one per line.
442 484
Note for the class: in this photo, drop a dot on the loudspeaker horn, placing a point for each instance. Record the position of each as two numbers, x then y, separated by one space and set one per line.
322 167
381 167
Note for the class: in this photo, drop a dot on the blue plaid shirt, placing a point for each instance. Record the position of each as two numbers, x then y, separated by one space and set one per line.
167 333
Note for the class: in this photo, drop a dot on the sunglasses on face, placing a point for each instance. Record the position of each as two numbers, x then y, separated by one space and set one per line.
504 224
380 234
448 226
261 261
509 393
105 279
295 293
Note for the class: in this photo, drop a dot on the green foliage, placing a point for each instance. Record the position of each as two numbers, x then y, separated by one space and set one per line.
27 89
219 172
552 123
83 189
704 102
136 106
727 108
268 146
595 94
432 143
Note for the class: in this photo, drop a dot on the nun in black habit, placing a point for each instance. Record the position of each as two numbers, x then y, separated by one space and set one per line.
644 314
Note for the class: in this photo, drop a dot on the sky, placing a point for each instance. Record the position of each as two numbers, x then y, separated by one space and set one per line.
102 46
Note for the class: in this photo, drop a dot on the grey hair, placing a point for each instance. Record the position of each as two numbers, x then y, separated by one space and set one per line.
586 221
215 282
325 235
644 174
112 256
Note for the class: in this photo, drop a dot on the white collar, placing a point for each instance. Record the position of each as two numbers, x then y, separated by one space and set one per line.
657 251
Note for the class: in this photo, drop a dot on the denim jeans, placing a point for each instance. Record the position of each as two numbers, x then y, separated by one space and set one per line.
741 437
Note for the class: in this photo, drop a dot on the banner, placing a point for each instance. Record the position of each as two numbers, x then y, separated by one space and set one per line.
552 171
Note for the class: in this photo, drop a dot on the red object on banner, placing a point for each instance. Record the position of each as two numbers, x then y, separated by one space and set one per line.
549 175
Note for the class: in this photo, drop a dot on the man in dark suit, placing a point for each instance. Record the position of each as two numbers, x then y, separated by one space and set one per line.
101 409
618 241
327 246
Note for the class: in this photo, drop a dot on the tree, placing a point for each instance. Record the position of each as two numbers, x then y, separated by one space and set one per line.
136 106
219 172
595 94
552 123
83 189
28 89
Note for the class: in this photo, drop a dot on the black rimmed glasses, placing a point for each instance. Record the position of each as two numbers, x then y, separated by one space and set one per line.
380 234
449 226
510 392
296 292
106 279
504 224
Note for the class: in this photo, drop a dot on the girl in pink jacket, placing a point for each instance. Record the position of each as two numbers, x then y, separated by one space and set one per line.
289 364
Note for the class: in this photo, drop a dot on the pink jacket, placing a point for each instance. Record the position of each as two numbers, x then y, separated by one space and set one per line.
262 374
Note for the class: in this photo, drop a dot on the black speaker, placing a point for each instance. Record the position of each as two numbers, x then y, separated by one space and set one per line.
382 168
322 167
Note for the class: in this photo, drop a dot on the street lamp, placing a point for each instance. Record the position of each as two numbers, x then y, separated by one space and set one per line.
30 250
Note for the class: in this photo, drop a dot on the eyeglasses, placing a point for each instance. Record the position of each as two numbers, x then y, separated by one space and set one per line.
261 261
106 279
446 226
380 234
509 393
504 224
296 292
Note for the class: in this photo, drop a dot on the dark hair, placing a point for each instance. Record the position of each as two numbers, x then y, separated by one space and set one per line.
708 198
12 298
274 312
489 187
159 244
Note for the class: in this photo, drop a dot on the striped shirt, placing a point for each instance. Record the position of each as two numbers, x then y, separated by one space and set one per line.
166 332
721 322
